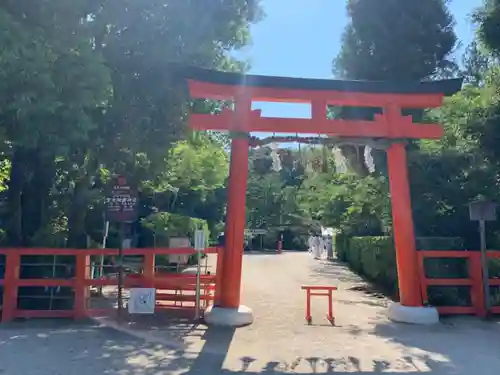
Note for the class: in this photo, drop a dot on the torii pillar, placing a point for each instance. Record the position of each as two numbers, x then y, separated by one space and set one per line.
229 312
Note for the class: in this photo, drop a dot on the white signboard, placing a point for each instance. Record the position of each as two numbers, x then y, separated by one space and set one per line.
255 232
179 242
142 301
199 240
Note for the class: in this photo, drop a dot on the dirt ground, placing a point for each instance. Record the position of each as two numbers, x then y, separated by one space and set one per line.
362 342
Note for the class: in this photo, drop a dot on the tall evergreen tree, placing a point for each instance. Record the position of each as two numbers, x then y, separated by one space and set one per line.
396 40
488 17
392 40
476 63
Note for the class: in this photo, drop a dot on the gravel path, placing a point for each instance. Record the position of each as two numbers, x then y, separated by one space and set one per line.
363 342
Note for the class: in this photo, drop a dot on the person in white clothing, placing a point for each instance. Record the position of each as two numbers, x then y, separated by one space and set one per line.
329 248
310 244
317 248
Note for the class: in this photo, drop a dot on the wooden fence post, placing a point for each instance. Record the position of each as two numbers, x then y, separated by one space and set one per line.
422 277
477 289
82 272
10 291
149 270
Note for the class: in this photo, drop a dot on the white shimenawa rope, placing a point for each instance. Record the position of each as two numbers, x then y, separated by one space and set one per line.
275 156
340 160
369 162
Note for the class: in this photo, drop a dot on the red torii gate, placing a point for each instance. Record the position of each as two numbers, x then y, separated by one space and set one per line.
392 97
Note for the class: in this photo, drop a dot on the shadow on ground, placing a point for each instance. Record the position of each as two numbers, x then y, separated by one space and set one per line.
338 273
467 345
48 347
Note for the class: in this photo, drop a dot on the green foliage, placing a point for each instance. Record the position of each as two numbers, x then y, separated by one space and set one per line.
340 244
52 234
157 223
87 91
391 40
273 197
166 225
63 79
374 258
303 198
476 63
353 205
5 167
396 40
199 167
489 29
462 167
192 182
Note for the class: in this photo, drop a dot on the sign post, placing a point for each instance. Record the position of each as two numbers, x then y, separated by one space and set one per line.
257 232
121 207
101 261
483 211
199 246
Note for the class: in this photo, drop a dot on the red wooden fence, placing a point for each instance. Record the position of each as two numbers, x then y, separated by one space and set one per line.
474 281
166 283
82 281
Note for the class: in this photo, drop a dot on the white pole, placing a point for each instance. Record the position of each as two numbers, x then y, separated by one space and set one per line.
198 284
101 258
199 246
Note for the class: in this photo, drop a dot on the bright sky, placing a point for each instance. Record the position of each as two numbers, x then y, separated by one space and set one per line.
300 38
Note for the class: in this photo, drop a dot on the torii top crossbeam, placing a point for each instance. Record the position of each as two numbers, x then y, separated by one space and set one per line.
392 97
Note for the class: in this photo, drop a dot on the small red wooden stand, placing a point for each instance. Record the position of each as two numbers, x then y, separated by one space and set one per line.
325 291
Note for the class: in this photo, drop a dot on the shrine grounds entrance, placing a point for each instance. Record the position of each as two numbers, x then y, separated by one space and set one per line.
390 127
388 130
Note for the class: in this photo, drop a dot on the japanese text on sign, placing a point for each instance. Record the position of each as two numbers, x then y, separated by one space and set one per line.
121 204
122 200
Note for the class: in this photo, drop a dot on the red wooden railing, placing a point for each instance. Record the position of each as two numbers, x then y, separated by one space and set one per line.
82 281
169 285
474 281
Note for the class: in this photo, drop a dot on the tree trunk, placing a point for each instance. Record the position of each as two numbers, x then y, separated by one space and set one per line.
14 199
77 237
36 193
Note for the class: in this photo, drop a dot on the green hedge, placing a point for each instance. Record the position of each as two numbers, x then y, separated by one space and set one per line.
340 243
165 225
375 259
